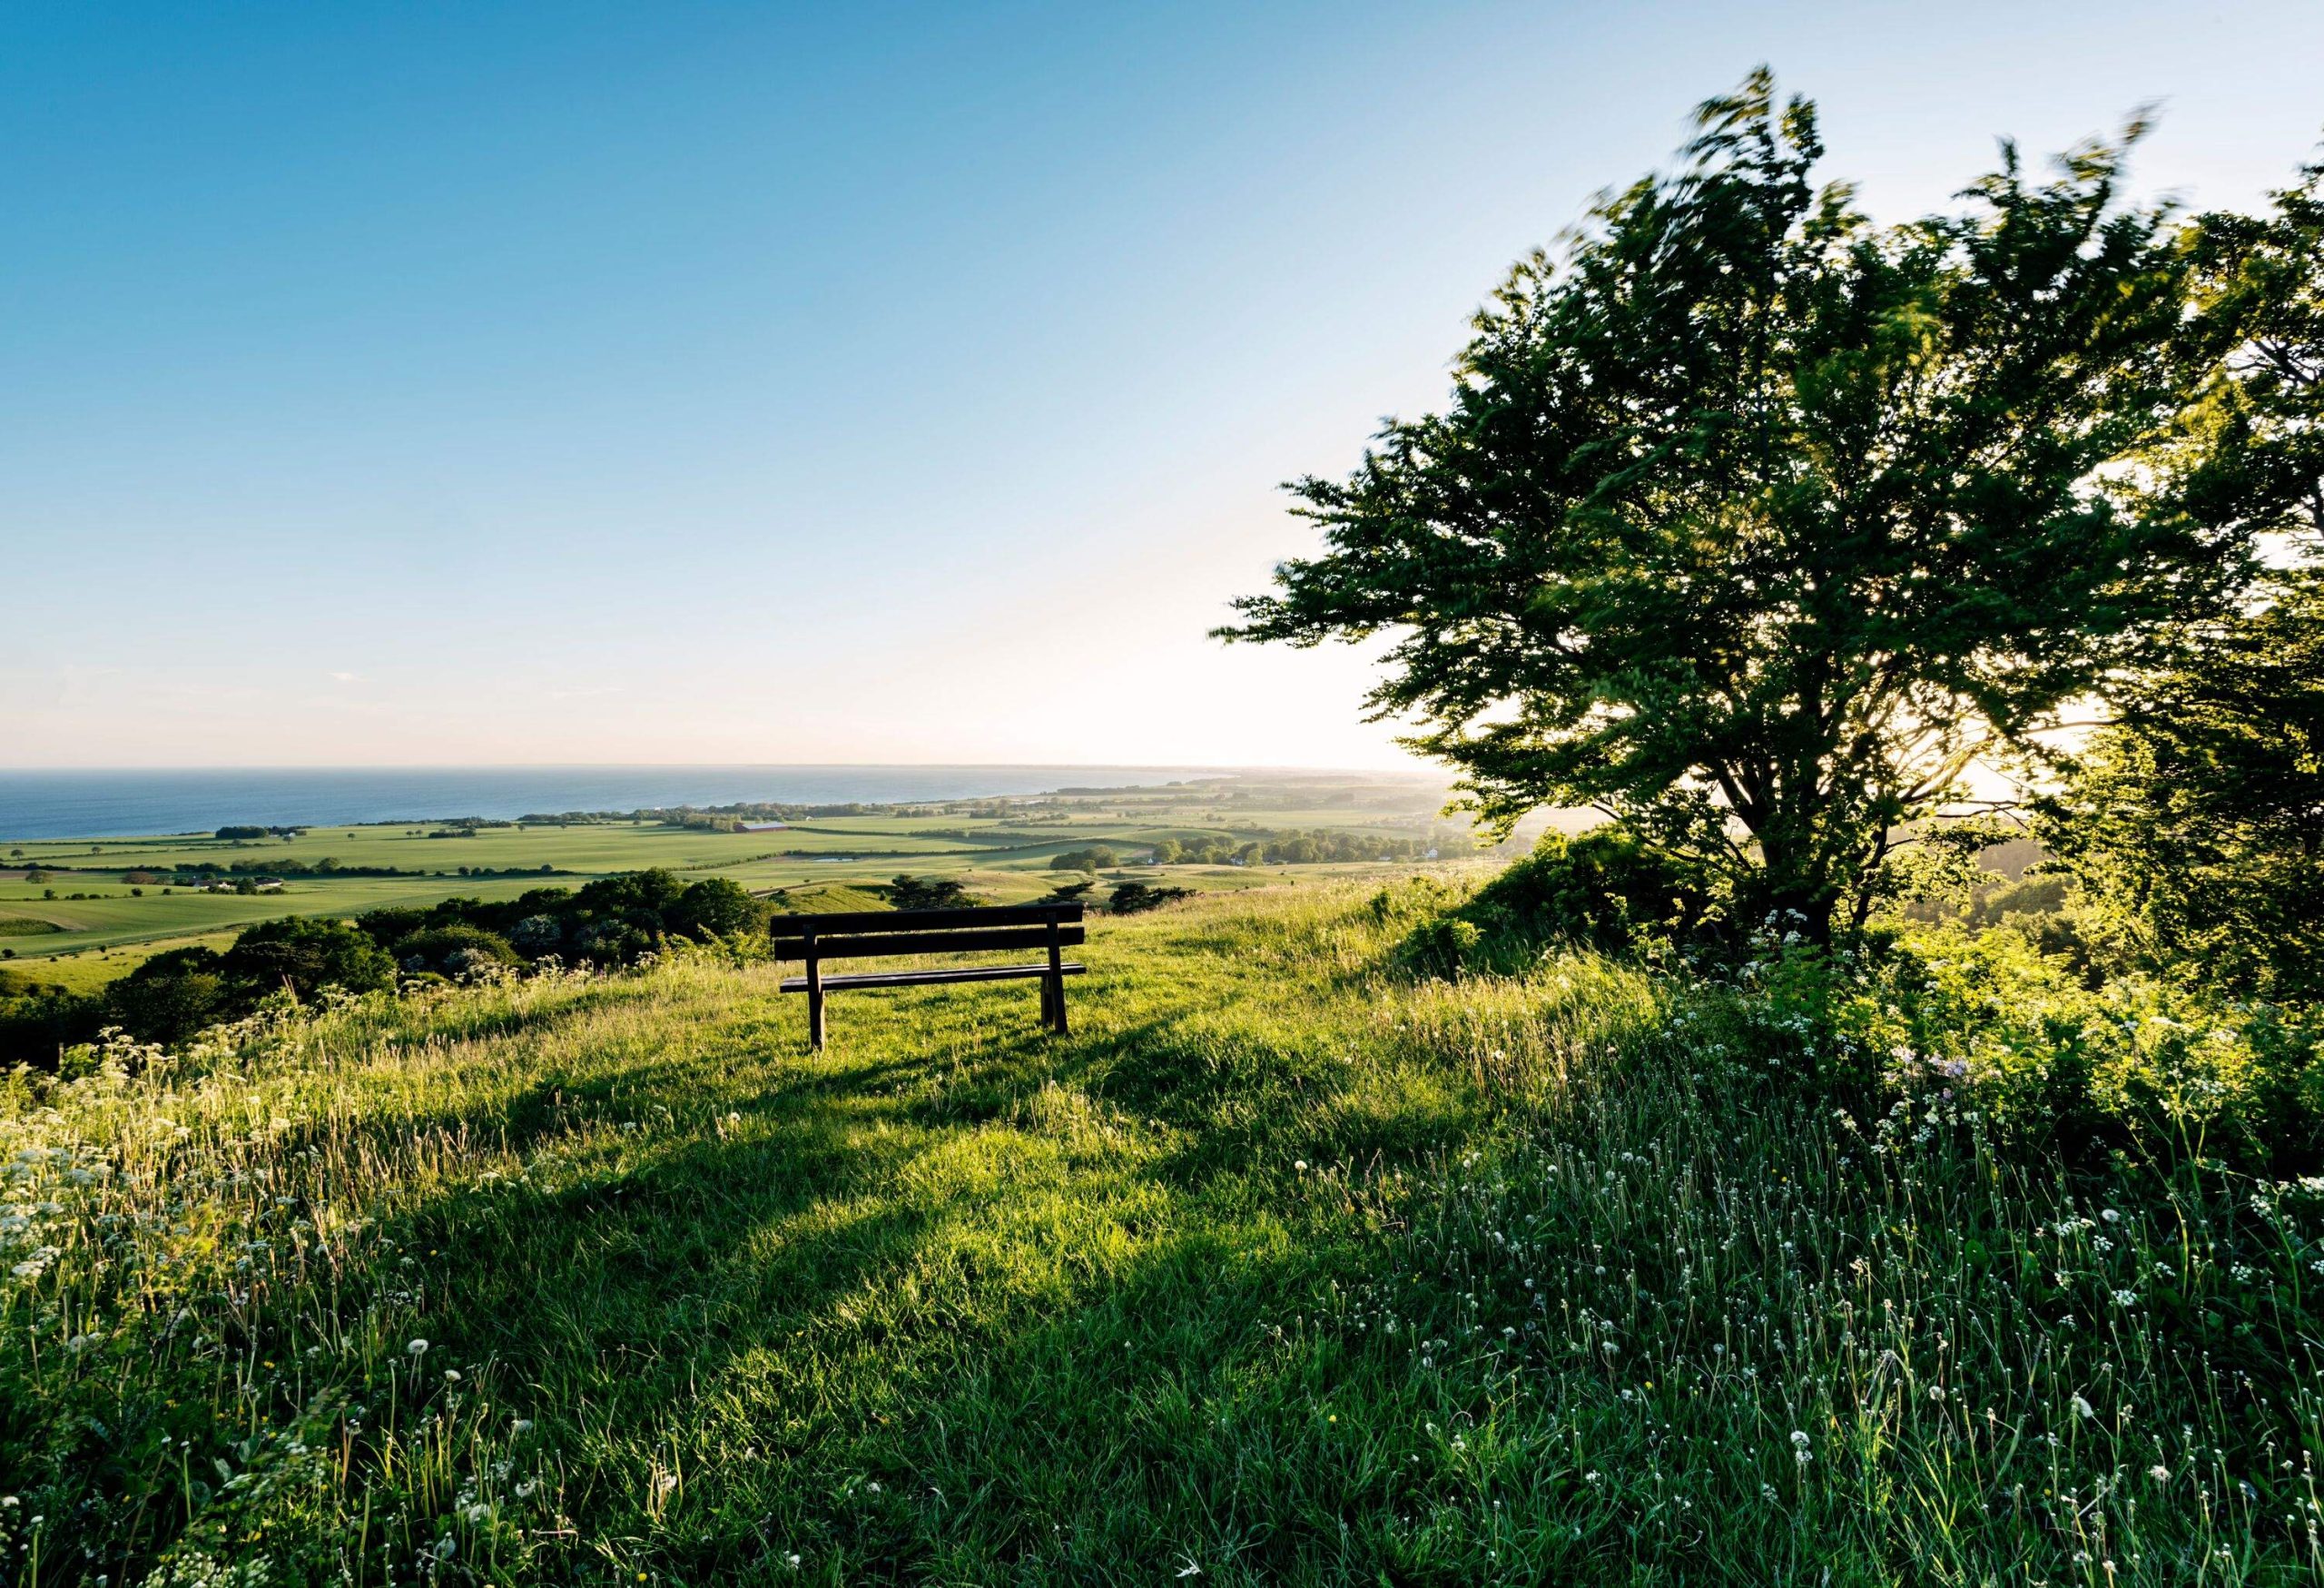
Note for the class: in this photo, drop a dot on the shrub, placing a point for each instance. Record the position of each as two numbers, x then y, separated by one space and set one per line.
1605 890
1134 898
174 995
307 955
716 907
911 892
1441 947
455 950
1986 1022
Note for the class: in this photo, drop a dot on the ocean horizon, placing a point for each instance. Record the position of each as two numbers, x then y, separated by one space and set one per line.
97 803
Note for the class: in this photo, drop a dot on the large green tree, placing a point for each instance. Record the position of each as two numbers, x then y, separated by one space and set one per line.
1756 524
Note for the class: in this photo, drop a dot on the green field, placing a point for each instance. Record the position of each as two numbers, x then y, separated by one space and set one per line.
1002 849
1281 1268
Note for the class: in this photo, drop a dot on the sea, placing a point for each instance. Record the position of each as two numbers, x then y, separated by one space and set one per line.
95 803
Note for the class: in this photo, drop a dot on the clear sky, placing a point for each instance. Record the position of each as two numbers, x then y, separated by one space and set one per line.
416 383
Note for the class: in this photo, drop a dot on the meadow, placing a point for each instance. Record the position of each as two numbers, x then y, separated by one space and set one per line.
1285 1266
1001 848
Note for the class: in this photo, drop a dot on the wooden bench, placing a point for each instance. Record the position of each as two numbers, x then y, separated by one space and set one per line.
861 934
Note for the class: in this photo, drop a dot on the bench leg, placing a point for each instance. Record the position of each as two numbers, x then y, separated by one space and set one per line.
815 1003
1055 980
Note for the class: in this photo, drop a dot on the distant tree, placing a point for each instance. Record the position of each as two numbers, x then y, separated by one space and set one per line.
1135 898
1096 857
173 995
390 923
716 907
911 892
1757 526
307 955
646 893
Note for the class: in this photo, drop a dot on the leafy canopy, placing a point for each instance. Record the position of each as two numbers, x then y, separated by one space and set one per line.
2195 822
1757 525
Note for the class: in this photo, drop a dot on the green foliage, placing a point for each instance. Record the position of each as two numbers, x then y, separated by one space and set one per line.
1750 513
305 955
1606 889
2257 446
1986 1021
1096 857
1442 947
455 950
1135 898
911 892
175 995
2196 823
716 907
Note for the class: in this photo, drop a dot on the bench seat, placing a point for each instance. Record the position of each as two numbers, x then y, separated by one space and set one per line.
929 978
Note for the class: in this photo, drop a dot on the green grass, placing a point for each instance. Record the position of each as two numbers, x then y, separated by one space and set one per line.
1279 1269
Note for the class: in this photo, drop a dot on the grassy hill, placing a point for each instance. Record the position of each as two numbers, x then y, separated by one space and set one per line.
1283 1267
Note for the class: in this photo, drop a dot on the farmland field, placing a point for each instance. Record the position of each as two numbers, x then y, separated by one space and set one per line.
78 912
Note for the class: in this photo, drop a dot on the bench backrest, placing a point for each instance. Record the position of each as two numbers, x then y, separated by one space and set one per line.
859 933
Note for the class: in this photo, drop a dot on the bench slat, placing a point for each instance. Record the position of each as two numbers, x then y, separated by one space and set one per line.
793 927
939 942
925 978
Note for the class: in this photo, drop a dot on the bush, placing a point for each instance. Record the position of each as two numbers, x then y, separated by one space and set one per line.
1441 947
306 955
1985 1024
911 892
1605 890
1133 898
174 995
716 907
455 950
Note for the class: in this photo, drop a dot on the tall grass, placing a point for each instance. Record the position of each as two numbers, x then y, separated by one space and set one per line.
1282 1268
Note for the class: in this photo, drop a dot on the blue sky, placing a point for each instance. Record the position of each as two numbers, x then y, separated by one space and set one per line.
427 384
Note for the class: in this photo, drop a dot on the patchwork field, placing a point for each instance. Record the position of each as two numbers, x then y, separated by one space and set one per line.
87 918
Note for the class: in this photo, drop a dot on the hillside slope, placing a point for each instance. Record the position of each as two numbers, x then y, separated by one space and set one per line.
1280 1268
